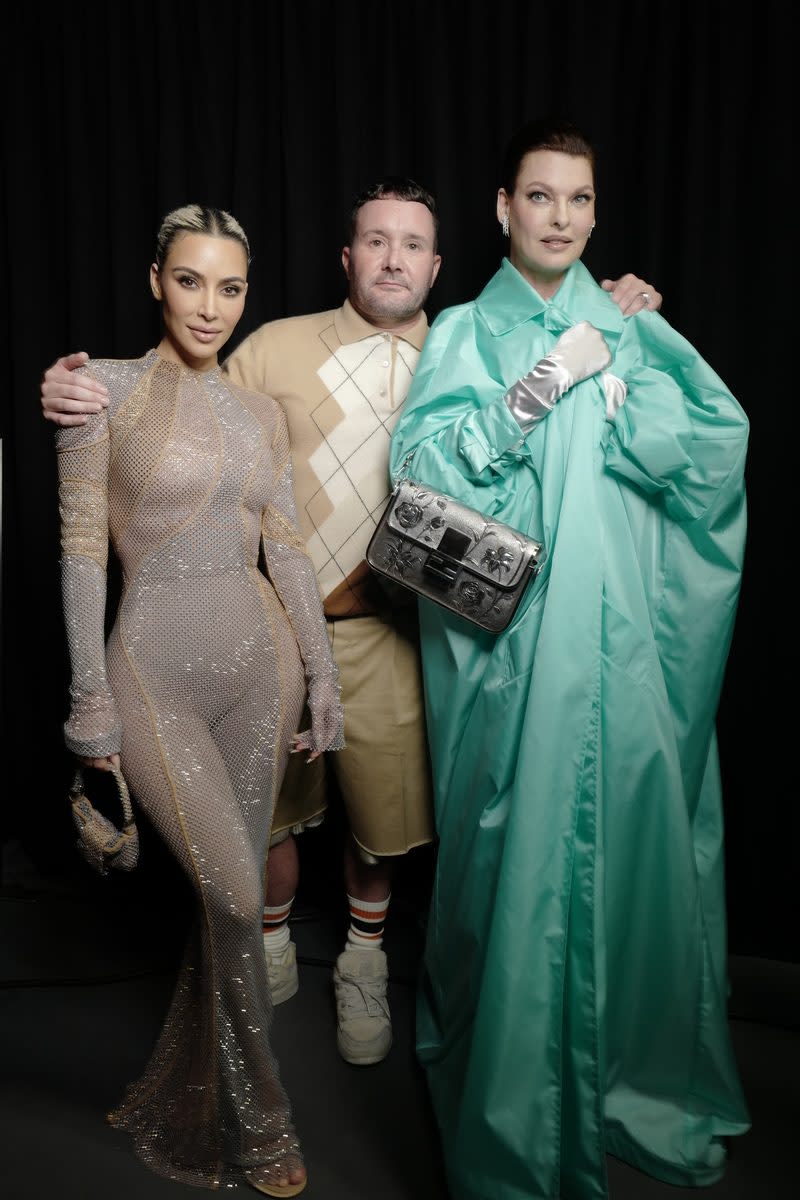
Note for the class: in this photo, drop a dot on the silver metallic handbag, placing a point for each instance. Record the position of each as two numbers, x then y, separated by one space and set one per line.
447 552
100 842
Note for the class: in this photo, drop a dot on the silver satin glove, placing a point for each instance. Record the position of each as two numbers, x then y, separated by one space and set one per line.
616 390
327 716
579 353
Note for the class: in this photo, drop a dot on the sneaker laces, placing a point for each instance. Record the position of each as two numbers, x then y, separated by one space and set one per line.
357 996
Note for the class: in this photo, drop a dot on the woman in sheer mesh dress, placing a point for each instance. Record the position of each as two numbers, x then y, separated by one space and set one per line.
200 687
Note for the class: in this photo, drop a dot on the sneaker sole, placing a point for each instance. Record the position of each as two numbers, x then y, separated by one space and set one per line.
362 1060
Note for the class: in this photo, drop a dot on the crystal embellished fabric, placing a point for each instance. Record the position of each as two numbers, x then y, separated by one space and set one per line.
201 686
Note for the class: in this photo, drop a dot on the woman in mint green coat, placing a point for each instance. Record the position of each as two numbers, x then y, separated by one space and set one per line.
573 999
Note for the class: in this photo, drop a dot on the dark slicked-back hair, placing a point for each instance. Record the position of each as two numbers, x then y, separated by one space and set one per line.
394 187
547 134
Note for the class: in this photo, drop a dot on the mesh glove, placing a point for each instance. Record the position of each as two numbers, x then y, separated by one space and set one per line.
327 716
579 353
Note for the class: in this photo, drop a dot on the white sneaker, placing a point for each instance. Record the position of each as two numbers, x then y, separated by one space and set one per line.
282 972
364 1035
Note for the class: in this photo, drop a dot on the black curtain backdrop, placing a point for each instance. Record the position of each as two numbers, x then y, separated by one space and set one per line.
281 112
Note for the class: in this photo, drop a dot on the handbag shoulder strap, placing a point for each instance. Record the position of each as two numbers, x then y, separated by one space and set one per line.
403 473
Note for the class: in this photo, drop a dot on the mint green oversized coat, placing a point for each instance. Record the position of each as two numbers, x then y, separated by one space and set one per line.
573 998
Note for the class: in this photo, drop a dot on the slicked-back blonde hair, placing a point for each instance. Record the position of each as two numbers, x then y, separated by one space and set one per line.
198 218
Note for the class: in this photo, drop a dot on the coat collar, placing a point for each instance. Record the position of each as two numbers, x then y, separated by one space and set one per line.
351 327
508 301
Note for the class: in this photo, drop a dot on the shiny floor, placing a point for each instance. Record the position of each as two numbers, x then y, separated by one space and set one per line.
85 974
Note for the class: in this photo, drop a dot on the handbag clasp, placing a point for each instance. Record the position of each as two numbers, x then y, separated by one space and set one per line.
441 569
445 561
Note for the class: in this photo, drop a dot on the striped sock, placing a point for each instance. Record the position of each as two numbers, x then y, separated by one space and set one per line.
367 919
276 926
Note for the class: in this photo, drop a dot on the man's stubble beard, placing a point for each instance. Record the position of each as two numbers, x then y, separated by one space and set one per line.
404 307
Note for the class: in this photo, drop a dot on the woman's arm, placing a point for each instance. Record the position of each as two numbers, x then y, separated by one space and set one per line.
455 416
680 434
465 419
293 576
92 730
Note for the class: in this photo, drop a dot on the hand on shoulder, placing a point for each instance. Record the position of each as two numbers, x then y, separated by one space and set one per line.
67 398
632 294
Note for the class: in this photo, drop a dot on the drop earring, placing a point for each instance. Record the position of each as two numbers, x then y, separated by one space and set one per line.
504 225
589 234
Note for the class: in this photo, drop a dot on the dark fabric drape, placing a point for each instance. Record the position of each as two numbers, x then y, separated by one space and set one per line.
281 112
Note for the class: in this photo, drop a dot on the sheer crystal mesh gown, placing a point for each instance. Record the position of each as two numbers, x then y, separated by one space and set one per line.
202 684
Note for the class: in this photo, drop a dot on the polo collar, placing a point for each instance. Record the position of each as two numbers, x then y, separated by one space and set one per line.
351 327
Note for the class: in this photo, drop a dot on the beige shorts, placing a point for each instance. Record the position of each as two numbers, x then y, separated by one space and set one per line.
384 772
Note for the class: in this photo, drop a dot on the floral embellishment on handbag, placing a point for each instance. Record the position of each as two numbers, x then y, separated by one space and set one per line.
497 559
398 557
408 515
435 523
411 513
471 593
